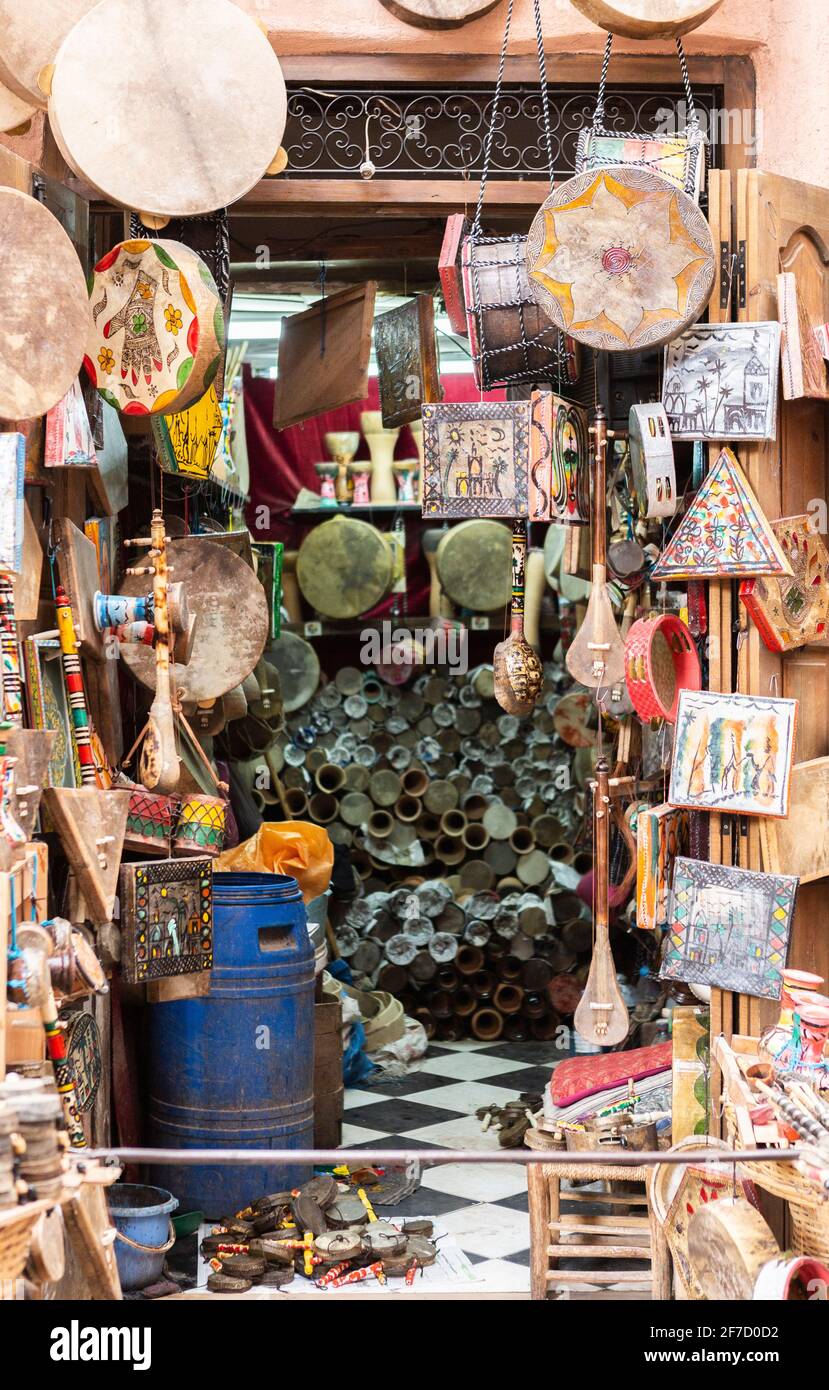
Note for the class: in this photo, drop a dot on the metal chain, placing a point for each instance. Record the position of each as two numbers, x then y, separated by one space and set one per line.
476 225
545 100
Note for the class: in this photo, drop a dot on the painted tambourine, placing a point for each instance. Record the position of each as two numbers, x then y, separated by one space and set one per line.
621 259
158 327
660 660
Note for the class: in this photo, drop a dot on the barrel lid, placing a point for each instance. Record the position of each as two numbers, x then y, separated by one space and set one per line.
255 887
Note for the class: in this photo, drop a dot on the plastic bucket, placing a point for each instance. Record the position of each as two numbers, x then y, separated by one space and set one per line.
141 1215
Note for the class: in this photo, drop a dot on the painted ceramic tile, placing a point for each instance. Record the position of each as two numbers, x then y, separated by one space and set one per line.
661 834
720 381
729 928
733 753
166 918
652 460
68 433
12 471
790 612
723 533
477 459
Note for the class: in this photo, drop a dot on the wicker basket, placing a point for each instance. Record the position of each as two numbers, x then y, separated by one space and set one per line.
16 1226
808 1207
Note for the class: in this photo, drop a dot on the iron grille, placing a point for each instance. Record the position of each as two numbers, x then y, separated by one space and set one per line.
420 132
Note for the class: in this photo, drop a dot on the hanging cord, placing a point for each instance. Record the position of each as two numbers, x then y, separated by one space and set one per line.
598 125
545 99
693 120
476 225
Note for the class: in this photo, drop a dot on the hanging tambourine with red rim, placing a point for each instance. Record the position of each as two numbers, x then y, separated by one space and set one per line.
660 660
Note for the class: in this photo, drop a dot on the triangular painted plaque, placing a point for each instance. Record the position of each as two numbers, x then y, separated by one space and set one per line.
723 532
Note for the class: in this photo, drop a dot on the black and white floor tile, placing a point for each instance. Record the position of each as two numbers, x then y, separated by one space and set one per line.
483 1207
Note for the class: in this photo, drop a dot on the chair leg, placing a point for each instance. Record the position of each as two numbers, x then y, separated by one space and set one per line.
539 1209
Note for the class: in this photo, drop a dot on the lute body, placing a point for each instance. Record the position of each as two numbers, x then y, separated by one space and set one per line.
601 1017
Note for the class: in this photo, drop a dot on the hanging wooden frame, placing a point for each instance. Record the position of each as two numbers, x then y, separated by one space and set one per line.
800 843
720 381
559 461
620 259
791 612
324 355
406 350
805 372
724 533
166 919
48 705
729 928
733 753
91 825
476 459
450 270
652 460
211 87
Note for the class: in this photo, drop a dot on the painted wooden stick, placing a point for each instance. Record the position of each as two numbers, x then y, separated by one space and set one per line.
73 676
159 767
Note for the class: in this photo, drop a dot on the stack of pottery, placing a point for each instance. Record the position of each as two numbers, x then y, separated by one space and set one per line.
795 1043
381 445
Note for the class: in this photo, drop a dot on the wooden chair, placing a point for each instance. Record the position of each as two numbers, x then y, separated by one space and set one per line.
614 1234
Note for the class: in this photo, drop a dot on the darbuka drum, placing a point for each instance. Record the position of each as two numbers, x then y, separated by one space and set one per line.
158 328
232 626
621 259
345 567
648 19
201 826
474 564
44 311
30 36
170 109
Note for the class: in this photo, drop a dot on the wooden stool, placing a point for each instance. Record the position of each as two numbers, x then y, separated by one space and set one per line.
615 1235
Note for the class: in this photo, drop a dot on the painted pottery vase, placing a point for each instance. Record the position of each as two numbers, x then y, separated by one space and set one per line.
327 474
776 1037
342 446
406 472
360 474
803 1054
381 445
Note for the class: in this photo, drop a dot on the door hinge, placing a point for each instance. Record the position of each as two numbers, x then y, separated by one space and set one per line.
726 273
741 275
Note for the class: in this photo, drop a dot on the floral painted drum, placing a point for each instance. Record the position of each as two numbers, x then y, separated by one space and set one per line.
620 259
158 327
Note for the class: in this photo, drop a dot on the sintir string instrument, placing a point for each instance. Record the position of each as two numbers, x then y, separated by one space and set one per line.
159 767
601 1017
596 657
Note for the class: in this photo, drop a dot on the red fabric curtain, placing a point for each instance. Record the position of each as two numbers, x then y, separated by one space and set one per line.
282 462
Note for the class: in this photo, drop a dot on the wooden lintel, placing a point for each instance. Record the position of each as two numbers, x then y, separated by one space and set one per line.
389 197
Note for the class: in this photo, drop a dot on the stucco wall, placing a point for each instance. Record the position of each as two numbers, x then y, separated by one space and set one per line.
787 40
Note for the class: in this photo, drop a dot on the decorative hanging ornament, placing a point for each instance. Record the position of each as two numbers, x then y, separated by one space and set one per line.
652 460
648 19
723 533
789 613
621 259
660 660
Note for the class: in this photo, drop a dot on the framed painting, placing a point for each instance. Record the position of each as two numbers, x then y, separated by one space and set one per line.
724 533
720 381
69 440
729 928
792 611
407 360
12 469
476 459
733 753
166 918
661 835
48 707
559 484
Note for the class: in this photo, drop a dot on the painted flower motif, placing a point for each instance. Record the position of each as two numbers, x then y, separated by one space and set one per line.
172 318
139 324
106 360
145 290
639 274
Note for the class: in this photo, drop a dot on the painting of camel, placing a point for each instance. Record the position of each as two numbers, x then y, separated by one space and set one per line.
733 753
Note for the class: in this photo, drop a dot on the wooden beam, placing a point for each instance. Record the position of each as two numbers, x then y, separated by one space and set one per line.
572 68
389 197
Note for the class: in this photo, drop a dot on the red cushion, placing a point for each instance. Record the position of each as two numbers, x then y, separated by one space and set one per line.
579 1077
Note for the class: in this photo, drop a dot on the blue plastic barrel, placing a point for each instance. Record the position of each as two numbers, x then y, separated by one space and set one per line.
235 1069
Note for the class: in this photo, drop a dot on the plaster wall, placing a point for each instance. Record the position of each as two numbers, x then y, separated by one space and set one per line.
787 40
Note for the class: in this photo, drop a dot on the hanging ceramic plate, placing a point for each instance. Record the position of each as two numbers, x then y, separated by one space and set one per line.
648 19
621 259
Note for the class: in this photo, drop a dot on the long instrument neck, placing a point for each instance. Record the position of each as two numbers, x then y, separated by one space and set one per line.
599 517
519 560
601 841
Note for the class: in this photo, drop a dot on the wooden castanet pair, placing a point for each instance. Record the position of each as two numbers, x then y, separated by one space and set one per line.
173 110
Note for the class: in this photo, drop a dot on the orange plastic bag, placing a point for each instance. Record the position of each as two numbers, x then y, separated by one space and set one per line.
294 847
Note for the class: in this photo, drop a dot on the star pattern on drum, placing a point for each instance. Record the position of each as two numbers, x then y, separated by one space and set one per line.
647 255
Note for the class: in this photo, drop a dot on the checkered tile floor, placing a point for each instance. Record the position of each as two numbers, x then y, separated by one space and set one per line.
483 1206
